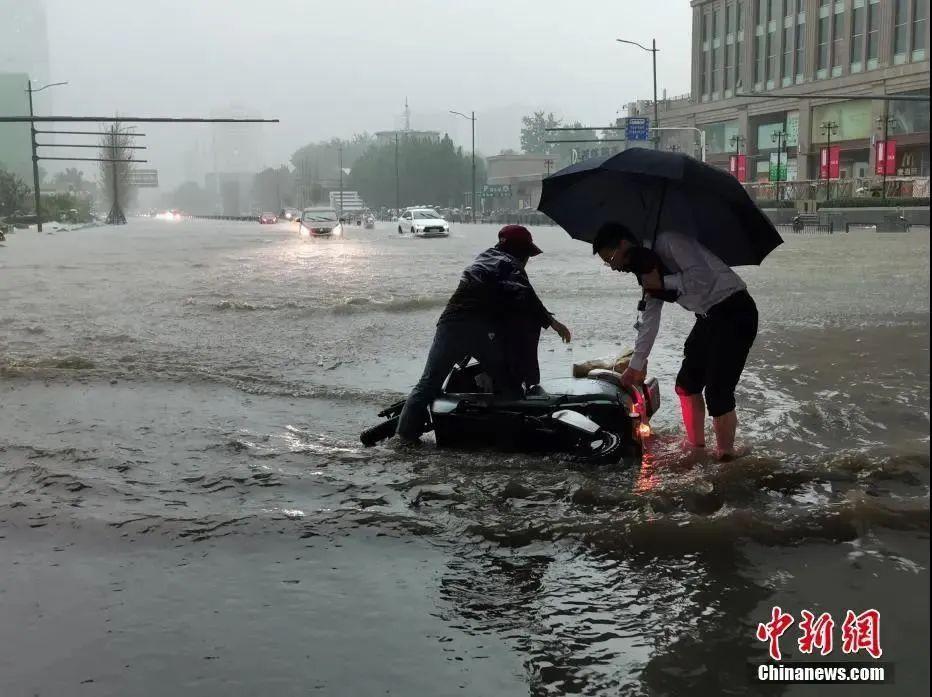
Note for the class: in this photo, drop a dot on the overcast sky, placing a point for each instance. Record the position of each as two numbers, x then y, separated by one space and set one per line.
334 68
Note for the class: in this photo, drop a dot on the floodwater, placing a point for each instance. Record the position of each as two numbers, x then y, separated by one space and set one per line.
185 508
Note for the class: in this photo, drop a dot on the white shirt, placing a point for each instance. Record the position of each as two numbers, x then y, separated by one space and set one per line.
701 279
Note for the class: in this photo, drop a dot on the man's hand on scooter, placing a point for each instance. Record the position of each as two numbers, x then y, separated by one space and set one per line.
632 377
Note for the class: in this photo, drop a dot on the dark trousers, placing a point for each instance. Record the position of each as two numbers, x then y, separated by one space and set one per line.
716 351
452 341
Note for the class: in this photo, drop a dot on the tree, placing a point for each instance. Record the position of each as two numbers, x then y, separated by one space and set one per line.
273 189
534 134
317 165
14 194
121 193
430 172
72 181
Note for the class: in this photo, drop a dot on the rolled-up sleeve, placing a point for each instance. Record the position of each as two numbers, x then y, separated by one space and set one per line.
695 276
647 333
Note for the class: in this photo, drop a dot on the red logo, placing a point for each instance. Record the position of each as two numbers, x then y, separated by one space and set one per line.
773 630
817 633
858 633
862 632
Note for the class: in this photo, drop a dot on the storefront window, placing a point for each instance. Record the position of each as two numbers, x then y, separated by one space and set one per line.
853 119
910 117
718 136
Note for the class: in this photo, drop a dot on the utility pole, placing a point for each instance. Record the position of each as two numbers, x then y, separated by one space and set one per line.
549 163
397 179
828 128
471 118
656 107
340 154
653 51
35 155
35 164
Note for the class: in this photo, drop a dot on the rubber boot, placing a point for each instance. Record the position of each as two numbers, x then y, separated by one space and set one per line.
725 427
693 408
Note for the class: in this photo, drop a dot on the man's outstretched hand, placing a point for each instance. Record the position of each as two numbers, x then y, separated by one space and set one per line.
632 377
562 330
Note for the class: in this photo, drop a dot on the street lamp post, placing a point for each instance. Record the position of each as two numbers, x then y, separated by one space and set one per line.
340 163
35 155
828 129
471 119
736 142
778 137
887 120
653 51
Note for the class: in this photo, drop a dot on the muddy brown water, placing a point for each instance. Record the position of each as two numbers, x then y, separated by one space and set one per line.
185 508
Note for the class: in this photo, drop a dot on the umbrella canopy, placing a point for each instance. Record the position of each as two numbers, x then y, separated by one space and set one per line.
650 191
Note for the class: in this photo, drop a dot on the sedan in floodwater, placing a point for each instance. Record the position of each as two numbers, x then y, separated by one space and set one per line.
268 219
319 222
423 222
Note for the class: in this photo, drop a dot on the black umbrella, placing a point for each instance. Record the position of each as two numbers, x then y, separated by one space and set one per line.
650 191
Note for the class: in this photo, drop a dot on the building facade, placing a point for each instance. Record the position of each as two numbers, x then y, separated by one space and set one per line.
770 48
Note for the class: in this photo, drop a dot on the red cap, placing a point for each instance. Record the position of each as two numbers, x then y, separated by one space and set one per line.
519 237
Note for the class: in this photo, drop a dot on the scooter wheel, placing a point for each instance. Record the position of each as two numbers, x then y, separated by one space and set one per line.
607 449
384 430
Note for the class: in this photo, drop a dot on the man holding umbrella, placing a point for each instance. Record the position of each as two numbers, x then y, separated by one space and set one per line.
679 269
680 226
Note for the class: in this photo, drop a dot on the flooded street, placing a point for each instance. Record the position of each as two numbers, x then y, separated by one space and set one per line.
181 482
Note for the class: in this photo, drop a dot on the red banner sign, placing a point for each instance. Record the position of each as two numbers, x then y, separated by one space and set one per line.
886 157
738 166
829 162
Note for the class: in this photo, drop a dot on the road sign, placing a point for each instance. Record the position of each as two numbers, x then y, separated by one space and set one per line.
497 190
144 178
637 128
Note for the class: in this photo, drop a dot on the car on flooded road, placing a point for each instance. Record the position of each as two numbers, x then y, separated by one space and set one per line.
319 222
423 222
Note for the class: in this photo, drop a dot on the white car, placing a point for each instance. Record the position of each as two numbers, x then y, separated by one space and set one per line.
423 222
319 222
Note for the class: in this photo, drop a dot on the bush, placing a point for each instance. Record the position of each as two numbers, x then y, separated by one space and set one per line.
874 203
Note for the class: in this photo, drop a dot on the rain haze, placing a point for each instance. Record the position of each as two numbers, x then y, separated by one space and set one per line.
332 69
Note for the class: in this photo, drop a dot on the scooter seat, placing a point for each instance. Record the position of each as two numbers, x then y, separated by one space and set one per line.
609 376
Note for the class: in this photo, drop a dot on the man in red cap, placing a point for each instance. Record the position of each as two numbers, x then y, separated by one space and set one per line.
493 313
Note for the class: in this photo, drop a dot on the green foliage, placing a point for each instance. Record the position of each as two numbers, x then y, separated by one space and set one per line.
72 181
534 132
534 137
874 203
429 172
14 194
66 208
320 161
273 189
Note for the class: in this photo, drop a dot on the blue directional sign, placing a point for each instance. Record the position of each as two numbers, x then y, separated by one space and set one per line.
637 128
